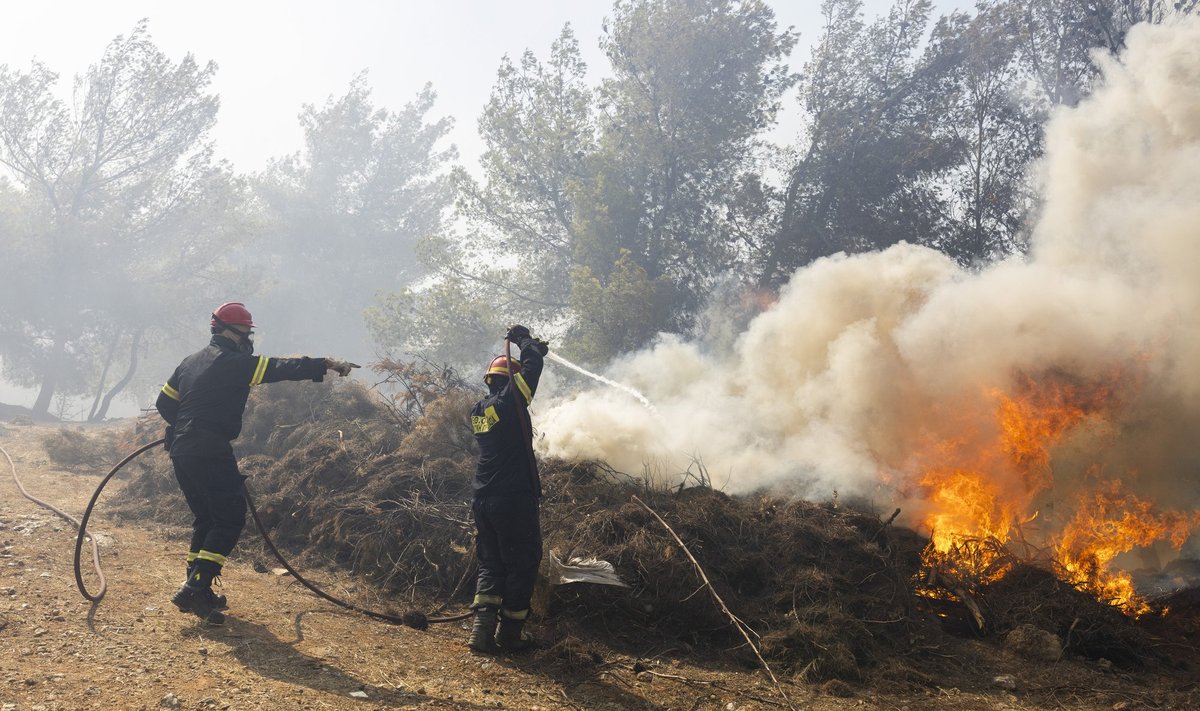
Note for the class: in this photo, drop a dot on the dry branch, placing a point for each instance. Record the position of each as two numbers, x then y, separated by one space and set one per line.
741 626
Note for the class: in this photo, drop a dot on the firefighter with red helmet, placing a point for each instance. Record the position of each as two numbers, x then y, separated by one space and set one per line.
508 536
203 402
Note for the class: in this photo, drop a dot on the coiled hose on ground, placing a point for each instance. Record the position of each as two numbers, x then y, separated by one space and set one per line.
414 619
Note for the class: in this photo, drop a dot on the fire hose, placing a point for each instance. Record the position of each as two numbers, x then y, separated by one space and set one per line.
414 619
71 519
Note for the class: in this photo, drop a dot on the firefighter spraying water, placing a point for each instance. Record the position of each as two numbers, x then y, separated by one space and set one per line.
507 489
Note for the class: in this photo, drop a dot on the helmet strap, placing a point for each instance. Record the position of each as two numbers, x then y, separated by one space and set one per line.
245 344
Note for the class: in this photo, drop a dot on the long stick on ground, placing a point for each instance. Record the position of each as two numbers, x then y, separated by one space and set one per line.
741 626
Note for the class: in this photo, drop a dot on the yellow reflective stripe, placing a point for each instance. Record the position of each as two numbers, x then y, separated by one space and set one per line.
192 557
209 555
487 600
524 388
486 422
514 614
260 371
170 392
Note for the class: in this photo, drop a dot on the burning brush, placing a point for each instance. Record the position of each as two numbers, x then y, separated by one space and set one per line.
982 500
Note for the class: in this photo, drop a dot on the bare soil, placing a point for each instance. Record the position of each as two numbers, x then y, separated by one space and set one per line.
283 648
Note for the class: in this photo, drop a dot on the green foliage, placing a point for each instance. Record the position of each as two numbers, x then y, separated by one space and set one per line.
926 131
619 313
999 129
117 195
615 198
876 142
513 264
694 82
539 129
449 320
346 216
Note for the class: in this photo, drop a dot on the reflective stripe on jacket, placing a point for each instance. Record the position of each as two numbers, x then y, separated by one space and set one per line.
206 395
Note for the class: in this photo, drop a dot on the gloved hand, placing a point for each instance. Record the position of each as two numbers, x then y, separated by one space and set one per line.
169 437
541 346
517 333
341 367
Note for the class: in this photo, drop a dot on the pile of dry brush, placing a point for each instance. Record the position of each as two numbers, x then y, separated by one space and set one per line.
380 486
82 451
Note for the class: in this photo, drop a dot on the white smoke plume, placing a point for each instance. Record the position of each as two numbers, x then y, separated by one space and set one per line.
861 359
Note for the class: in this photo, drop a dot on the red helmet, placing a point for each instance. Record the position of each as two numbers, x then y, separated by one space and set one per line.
499 366
233 313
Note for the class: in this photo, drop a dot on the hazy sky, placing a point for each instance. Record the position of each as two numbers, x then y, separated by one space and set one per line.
274 56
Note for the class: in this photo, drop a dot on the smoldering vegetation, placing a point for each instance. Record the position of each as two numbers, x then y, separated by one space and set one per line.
348 483
868 374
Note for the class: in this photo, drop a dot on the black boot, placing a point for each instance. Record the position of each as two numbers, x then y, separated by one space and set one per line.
196 595
200 602
511 637
218 601
483 630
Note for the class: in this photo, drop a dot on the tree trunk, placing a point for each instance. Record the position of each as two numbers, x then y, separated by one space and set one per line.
134 347
41 406
112 350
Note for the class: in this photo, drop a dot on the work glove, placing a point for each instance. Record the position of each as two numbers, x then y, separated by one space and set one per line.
542 347
341 367
517 333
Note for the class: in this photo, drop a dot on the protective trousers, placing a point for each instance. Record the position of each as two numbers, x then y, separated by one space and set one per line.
508 543
213 489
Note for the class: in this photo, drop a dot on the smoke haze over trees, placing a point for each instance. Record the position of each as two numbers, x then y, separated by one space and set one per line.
344 218
602 212
118 216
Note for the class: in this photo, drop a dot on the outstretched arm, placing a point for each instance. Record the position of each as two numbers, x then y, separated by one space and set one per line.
257 370
274 370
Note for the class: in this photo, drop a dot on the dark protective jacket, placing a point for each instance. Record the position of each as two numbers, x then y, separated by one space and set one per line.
506 465
205 397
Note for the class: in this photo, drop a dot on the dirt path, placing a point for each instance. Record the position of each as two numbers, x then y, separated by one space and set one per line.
285 649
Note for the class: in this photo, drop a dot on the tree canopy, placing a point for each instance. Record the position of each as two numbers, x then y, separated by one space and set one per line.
610 204
343 217
117 193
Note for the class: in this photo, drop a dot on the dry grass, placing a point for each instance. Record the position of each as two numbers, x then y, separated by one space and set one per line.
381 488
82 452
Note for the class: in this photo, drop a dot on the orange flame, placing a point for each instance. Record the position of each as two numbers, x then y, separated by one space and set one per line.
981 494
984 493
1108 522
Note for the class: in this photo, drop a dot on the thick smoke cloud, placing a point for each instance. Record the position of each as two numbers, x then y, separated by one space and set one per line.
863 360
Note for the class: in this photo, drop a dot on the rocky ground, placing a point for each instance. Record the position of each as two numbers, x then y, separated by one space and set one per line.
282 648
